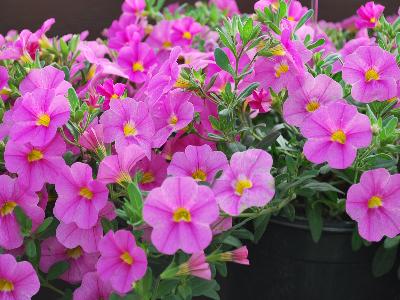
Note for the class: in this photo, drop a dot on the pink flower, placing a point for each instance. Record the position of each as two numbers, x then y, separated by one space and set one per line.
110 91
201 163
238 256
184 30
117 168
93 288
160 37
136 61
373 73
260 102
180 212
196 266
262 4
71 236
135 7
154 171
19 280
80 198
296 11
334 134
228 6
171 113
246 182
93 138
48 78
128 122
38 116
35 165
13 194
221 224
308 95
369 14
79 262
375 204
3 83
121 262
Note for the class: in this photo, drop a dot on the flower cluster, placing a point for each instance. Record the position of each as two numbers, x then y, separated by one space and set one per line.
132 163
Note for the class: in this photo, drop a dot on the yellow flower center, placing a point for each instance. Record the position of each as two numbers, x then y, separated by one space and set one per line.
74 253
138 67
312 106
35 155
339 136
199 175
147 177
7 208
127 258
167 44
282 68
43 120
173 120
86 193
187 35
129 130
123 177
371 74
114 96
91 73
6 285
242 185
290 18
182 214
278 50
375 202
182 83
372 20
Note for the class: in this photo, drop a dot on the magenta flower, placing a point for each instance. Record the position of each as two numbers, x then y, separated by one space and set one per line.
171 113
184 30
80 262
196 266
160 37
180 212
12 194
117 168
369 14
135 7
48 78
3 83
128 122
18 280
246 182
228 6
308 95
121 262
238 256
93 288
154 171
260 102
35 165
262 4
373 73
38 116
71 236
296 11
110 91
80 198
201 163
136 61
334 133
375 204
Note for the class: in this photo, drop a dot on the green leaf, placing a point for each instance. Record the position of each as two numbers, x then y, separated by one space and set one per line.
166 287
274 28
315 222
25 223
214 122
307 16
64 48
107 225
73 99
318 43
57 270
391 242
43 227
248 91
260 225
30 248
356 240
185 291
321 187
247 31
136 199
222 61
384 260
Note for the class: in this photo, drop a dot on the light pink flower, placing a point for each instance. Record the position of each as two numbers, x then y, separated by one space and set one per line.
196 266
238 256
228 6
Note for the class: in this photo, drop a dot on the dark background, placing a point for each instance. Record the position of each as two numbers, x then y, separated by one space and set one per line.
75 16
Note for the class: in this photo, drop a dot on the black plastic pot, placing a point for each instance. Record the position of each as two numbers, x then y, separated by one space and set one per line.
287 264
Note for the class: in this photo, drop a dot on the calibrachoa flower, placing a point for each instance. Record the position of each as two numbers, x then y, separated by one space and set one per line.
308 95
373 73
18 280
369 14
238 256
110 91
13 194
160 37
334 133
196 266
3 83
80 262
296 11
80 198
128 122
260 102
121 262
35 165
375 204
180 212
184 30
134 6
136 60
38 116
93 138
154 171
201 163
228 6
93 288
117 168
246 182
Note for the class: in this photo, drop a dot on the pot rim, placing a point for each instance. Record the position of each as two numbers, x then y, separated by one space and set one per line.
302 223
